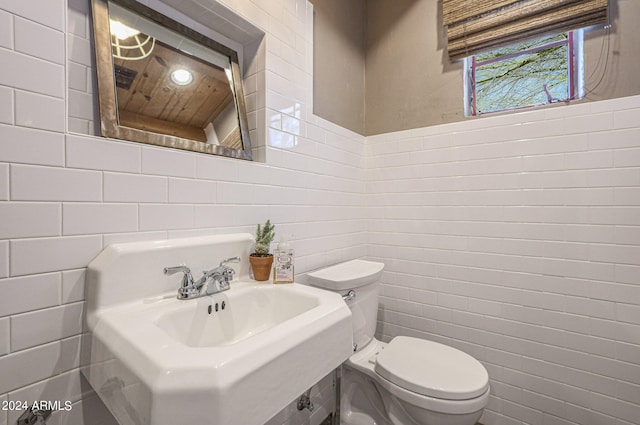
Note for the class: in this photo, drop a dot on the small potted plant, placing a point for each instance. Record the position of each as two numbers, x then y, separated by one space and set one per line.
260 259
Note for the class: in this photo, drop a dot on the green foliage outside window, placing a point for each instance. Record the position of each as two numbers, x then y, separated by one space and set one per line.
530 73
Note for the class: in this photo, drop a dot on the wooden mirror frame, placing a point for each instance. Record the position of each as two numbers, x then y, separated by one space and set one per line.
109 123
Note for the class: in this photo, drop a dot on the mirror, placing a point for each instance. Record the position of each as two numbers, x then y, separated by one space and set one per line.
165 84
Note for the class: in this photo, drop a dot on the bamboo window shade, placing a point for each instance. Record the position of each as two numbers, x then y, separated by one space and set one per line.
478 25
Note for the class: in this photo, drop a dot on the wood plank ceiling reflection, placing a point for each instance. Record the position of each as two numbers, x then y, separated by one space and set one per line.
158 104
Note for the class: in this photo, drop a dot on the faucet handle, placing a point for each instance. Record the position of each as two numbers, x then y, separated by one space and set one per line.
229 260
187 278
228 272
172 270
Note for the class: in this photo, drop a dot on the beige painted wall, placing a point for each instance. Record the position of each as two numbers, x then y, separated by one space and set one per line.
409 82
339 67
617 76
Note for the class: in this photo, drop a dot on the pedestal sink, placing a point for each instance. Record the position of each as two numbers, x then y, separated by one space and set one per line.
233 358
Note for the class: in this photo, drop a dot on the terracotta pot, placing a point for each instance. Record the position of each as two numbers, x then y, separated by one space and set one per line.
261 265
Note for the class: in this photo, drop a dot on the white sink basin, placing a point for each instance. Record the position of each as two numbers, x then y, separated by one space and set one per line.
157 360
248 310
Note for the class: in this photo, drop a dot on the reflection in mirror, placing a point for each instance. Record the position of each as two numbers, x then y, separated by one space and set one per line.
164 84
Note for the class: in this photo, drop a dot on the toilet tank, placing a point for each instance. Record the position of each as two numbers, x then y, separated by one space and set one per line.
363 278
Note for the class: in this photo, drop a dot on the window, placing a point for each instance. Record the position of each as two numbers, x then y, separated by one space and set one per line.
531 73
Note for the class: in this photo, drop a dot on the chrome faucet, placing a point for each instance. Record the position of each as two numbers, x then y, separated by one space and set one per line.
212 281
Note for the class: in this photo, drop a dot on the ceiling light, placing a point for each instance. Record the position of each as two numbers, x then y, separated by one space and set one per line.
181 77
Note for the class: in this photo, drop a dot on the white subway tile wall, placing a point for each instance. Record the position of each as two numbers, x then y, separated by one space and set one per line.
32 74
96 154
517 239
65 193
27 146
4 336
42 326
6 105
39 111
37 40
4 259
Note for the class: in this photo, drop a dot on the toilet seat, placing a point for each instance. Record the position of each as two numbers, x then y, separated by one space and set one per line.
431 369
365 360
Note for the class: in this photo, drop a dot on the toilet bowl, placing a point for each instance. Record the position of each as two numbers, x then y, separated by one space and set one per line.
407 381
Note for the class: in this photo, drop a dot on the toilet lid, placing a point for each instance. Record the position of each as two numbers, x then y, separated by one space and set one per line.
432 369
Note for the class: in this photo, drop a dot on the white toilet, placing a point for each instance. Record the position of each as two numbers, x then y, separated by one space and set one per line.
408 381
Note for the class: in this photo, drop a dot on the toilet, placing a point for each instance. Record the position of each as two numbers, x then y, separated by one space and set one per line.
407 381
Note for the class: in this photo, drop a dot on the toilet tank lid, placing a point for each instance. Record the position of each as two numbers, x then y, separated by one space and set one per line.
347 275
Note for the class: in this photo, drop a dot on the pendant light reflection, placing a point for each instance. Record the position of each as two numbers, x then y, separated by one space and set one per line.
122 31
128 43
181 77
